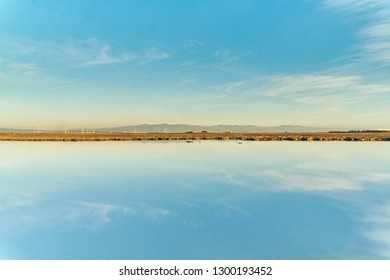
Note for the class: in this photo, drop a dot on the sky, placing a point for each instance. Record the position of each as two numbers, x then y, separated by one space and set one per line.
95 63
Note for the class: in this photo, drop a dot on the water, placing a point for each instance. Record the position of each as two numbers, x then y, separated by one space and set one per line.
208 200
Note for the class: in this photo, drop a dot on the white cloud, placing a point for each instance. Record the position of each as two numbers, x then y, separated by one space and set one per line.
22 68
222 53
378 49
17 201
31 64
375 36
309 88
227 56
317 89
379 30
73 52
151 55
358 5
350 90
93 52
193 44
183 83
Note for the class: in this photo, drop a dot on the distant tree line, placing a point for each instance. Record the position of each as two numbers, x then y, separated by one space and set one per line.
359 131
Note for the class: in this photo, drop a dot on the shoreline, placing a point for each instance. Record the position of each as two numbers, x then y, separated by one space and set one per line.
263 136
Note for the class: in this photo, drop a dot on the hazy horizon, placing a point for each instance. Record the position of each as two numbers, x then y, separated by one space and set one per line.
182 124
113 125
92 64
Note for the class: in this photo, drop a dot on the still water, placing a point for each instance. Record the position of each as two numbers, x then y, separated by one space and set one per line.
208 200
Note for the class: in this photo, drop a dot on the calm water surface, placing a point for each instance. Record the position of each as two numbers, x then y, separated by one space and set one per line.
208 200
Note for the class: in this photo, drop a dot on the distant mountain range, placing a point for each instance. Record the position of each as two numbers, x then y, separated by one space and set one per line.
177 128
145 128
16 130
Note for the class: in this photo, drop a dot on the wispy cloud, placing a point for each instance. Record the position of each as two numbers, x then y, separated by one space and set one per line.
377 47
317 89
375 36
73 52
222 53
309 88
357 5
21 54
184 83
151 55
343 86
17 201
193 44
91 52
45 67
22 68
381 30
227 56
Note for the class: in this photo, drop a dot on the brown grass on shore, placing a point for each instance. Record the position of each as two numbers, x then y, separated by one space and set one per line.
281 136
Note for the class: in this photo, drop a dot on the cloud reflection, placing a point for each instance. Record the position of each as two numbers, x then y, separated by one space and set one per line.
18 213
95 215
376 222
323 174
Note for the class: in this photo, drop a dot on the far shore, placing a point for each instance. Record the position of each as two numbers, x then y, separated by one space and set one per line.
189 137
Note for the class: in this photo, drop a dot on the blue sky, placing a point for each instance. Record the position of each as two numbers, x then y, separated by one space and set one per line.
95 63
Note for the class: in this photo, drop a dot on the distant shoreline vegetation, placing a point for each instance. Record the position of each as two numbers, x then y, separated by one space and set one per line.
175 128
361 131
183 128
190 136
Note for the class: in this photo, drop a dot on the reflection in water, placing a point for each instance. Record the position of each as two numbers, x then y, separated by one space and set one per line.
209 200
